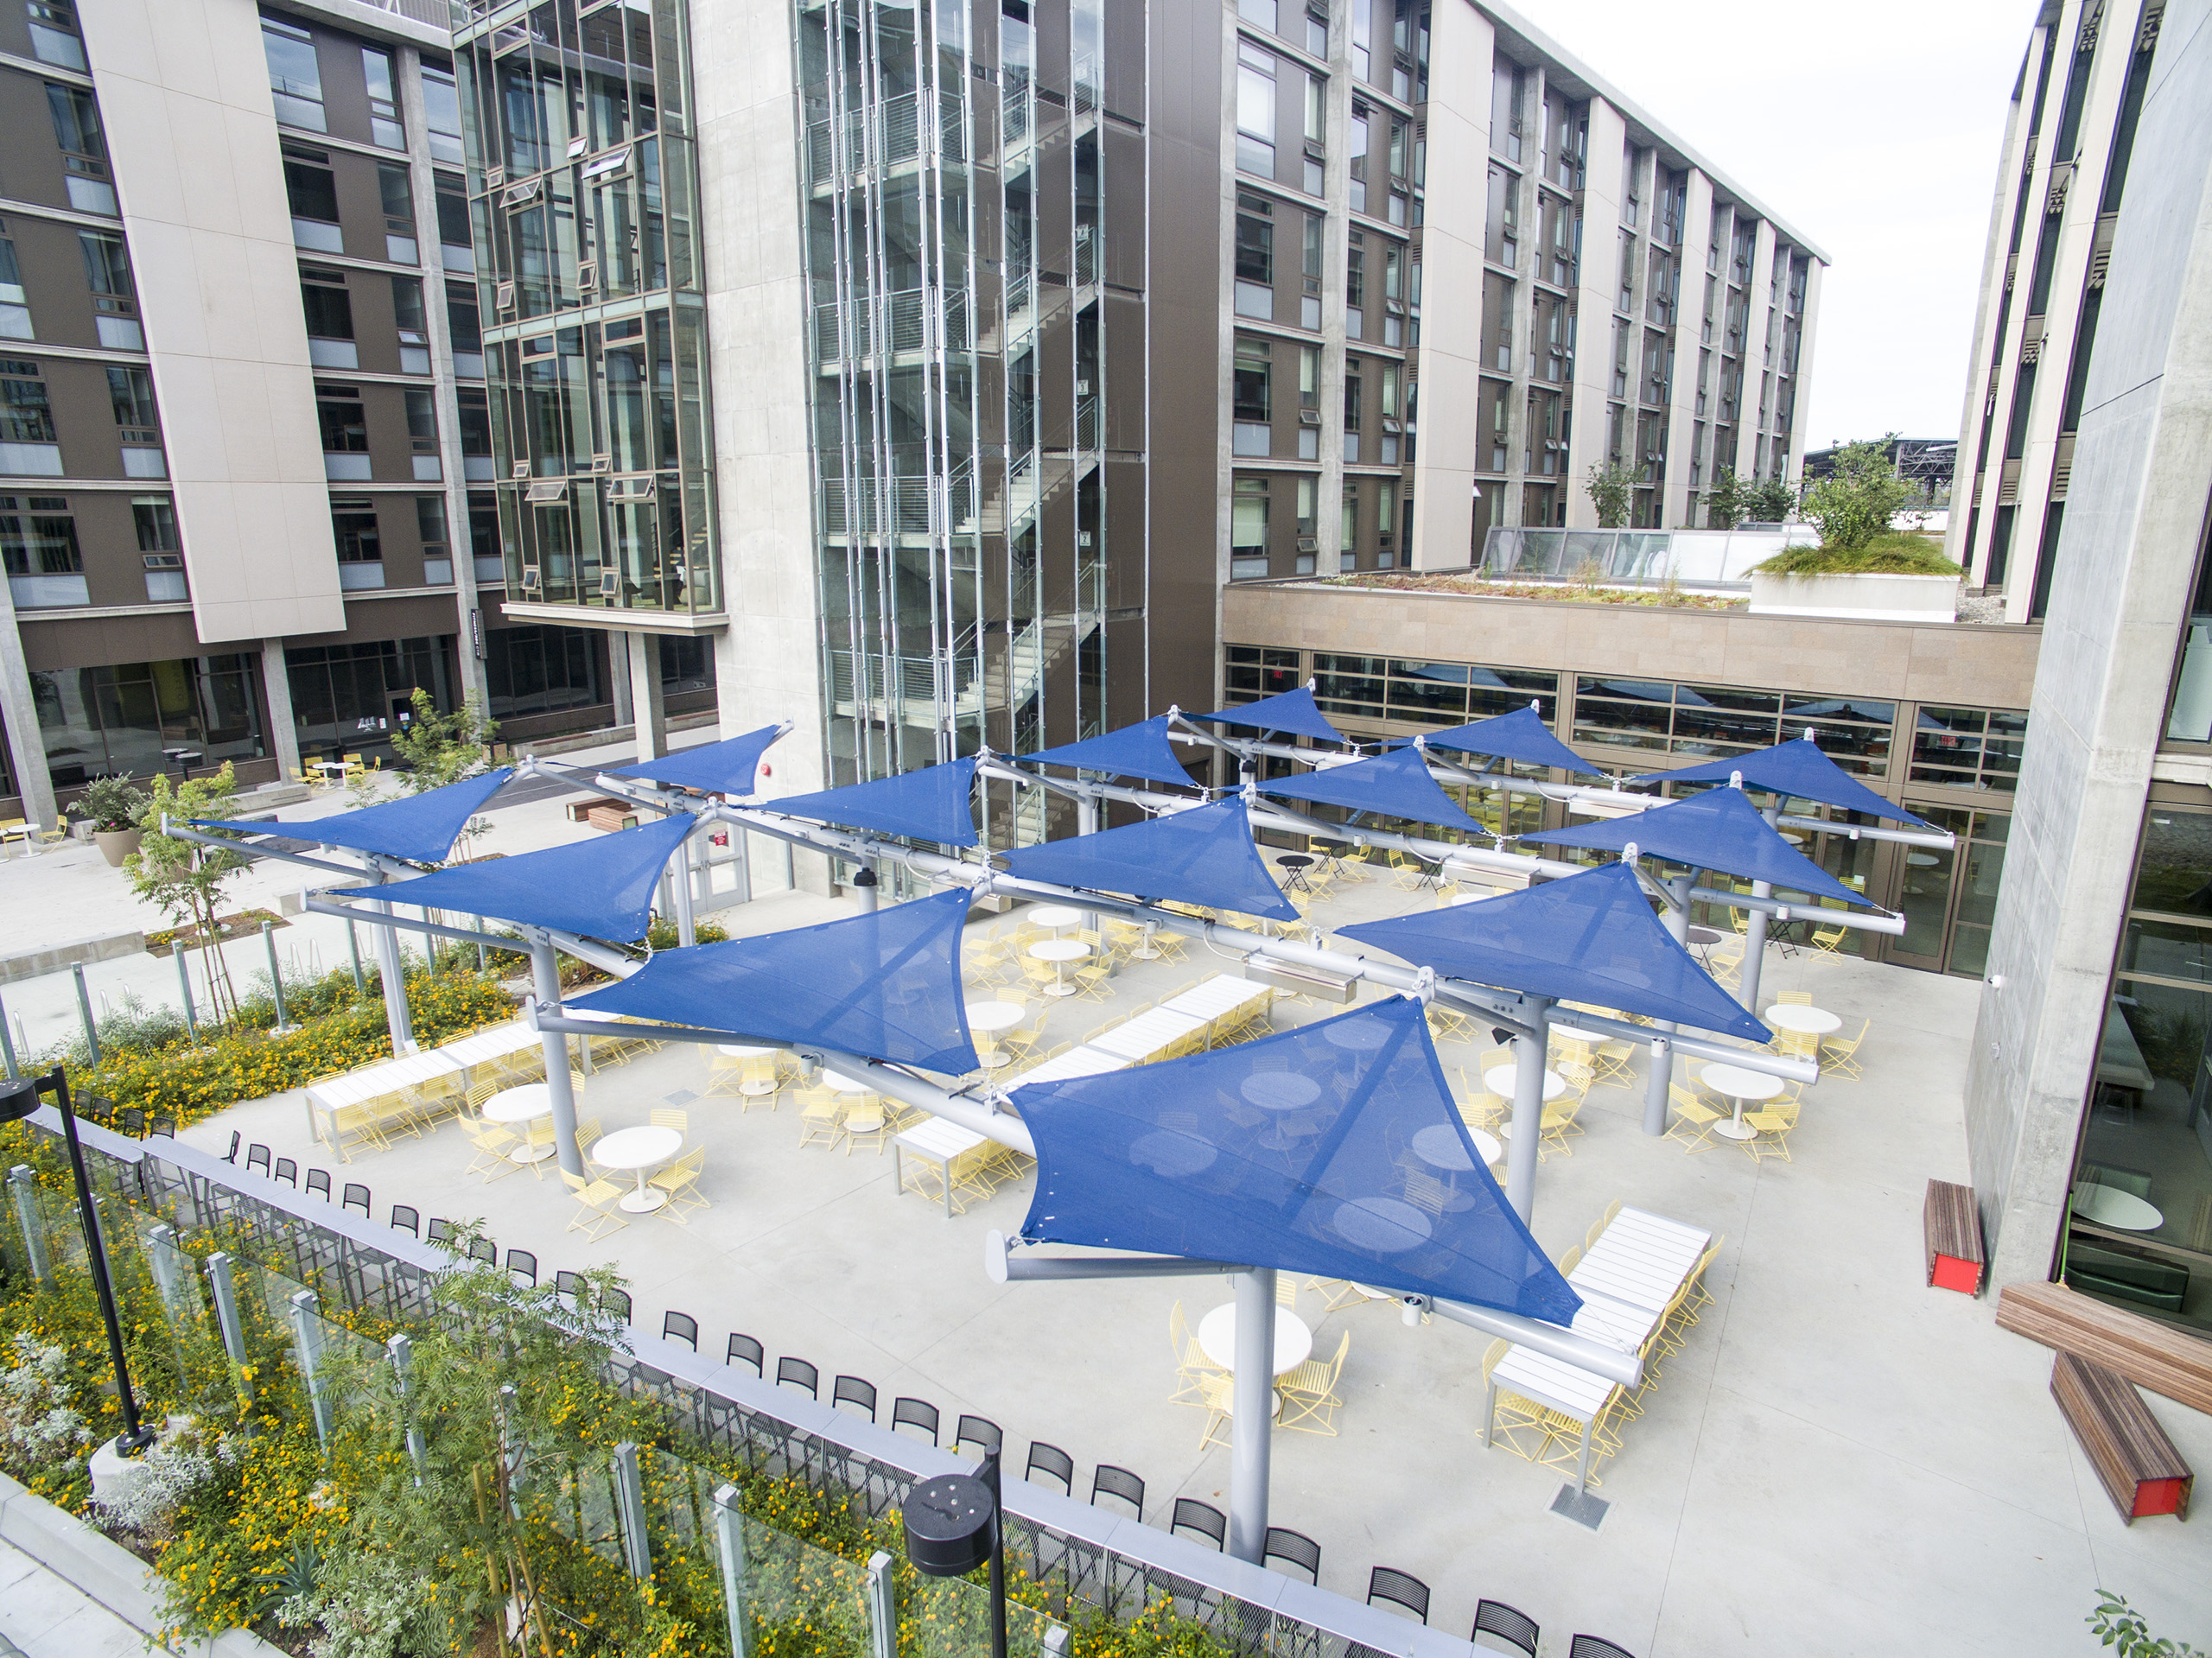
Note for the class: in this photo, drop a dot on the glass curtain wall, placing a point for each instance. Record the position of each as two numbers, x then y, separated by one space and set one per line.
593 321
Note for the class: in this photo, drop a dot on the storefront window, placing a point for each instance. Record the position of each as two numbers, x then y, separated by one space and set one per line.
143 717
348 698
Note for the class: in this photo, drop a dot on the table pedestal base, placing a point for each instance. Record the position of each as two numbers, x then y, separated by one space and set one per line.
1732 1130
532 1153
644 1202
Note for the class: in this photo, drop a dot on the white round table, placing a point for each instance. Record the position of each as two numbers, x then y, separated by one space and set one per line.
1055 916
1733 1082
740 1050
1503 1080
1806 1021
1922 860
1218 1339
1384 1225
1442 1150
1281 1092
987 1020
1173 1153
2110 1206
524 1102
1059 952
1356 1035
1146 950
640 1149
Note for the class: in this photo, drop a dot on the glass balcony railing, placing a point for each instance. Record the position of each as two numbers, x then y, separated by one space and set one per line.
1703 558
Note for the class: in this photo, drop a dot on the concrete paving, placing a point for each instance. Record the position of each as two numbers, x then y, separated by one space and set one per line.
1842 1461
47 1616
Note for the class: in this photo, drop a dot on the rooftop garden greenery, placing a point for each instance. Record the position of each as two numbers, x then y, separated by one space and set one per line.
1895 554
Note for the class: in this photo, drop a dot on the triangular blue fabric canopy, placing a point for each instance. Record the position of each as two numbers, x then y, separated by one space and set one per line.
419 827
722 768
1139 751
1590 938
1718 829
885 985
602 887
1204 856
1520 735
1333 1149
1798 768
931 804
1294 712
1397 784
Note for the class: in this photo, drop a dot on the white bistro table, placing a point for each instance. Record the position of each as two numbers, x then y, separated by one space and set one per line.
1282 1093
1502 1080
2110 1206
524 1102
1055 916
1383 1226
1734 1082
933 1140
639 1149
1059 952
1218 1339
987 1020
1444 1150
1149 1033
1805 1022
744 1051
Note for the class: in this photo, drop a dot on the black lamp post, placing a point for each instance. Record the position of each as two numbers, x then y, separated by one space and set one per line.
18 1099
952 1527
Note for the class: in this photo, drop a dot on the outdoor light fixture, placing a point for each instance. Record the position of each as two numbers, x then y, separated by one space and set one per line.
952 1527
18 1099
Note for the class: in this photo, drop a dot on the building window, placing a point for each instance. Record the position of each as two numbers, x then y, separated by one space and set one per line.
1248 531
311 190
1969 748
1256 258
1713 721
350 696
107 273
345 425
38 537
1254 671
26 416
83 152
442 114
54 35
14 310
330 310
295 75
536 670
1251 400
107 721
130 392
1256 111
361 544
385 129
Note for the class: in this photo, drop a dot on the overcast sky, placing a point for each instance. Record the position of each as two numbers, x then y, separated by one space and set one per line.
1874 130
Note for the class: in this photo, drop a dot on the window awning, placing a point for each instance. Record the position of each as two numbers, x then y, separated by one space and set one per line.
1396 784
600 888
932 804
420 827
886 986
1521 735
1334 1149
1205 856
1139 751
1795 770
722 768
1591 937
1291 712
1719 829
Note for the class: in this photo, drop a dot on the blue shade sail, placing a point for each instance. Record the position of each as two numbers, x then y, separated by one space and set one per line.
1591 937
1291 712
722 768
885 985
1397 784
1719 829
1334 1149
601 888
419 827
1137 751
932 804
1205 856
1795 770
1521 735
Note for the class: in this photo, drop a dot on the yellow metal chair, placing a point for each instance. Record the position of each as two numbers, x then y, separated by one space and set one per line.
1309 1400
1218 1394
1841 1054
1609 1060
726 1074
492 1143
598 1211
820 1113
1192 1363
1694 1119
1794 998
1557 1124
670 1116
866 1120
1774 1125
680 1181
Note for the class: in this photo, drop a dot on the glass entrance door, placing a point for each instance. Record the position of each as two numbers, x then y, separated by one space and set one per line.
1948 899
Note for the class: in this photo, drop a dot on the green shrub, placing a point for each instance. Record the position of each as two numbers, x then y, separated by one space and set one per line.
1887 555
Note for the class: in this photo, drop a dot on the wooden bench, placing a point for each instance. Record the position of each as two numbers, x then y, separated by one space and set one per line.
604 812
2160 1356
1952 1223
2142 1472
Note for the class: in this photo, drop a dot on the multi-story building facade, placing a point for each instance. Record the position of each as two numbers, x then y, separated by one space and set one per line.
2090 1101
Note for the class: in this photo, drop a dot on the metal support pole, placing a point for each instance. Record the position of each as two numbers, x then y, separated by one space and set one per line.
387 945
1086 823
630 1498
1755 930
882 1607
730 1545
8 1045
353 947
545 975
166 1261
1655 1085
134 1437
276 977
1529 1053
85 1013
307 1346
994 1483
184 989
865 883
403 1368
23 1186
1253 1384
686 929
226 1290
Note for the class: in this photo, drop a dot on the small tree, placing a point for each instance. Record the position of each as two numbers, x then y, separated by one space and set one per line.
185 879
1723 501
112 803
443 748
1853 503
1610 489
1771 502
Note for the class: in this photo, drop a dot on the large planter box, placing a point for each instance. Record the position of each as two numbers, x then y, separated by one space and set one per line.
1869 598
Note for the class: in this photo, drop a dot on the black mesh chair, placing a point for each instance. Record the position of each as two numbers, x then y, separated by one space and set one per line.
1106 1480
485 1250
289 1172
851 1390
680 1327
618 1302
1508 1623
1400 1589
1301 1551
163 1127
797 1373
914 1413
1203 1518
133 1122
405 1217
1051 1459
522 1267
743 1350
319 1180
232 1155
440 1231
980 1431
355 1195
1596 1646
256 1157
567 1283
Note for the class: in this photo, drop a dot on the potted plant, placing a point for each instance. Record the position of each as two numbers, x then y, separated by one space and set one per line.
113 804
1863 568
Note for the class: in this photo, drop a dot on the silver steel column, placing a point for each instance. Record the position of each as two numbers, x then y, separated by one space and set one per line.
1755 931
686 929
1253 1383
1663 1051
1529 1053
545 979
387 945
